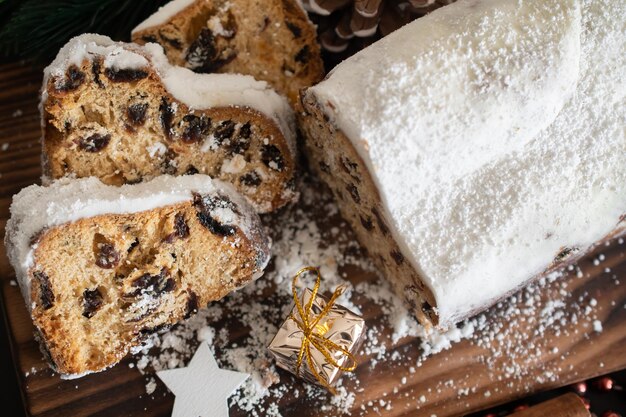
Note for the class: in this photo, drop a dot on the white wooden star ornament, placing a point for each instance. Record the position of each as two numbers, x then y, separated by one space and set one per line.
202 388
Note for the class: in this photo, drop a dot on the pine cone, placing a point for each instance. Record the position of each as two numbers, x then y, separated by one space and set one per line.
345 26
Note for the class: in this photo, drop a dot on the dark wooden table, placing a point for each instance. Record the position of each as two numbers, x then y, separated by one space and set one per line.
118 390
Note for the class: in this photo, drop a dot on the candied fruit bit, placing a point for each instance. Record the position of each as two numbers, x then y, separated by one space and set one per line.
73 79
204 208
197 127
271 156
92 302
251 179
46 296
136 113
125 75
94 143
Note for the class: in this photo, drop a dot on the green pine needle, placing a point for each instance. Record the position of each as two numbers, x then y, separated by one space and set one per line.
36 29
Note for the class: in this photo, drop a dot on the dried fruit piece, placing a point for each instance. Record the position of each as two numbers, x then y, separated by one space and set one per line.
381 223
154 284
167 115
367 223
202 51
73 79
192 304
224 131
107 257
303 55
169 164
95 71
354 192
181 229
92 302
46 296
204 209
125 75
175 43
297 32
191 170
197 127
397 257
94 143
271 156
136 113
250 179
324 167
180 226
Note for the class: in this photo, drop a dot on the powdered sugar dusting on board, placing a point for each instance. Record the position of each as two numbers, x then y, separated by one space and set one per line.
303 239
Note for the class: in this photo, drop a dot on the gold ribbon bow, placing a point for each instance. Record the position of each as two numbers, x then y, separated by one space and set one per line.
313 331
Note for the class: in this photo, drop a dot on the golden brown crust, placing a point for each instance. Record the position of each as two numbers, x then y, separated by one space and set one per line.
101 284
130 130
271 40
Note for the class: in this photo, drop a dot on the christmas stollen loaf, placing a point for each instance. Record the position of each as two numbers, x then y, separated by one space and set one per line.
122 113
479 147
272 40
100 267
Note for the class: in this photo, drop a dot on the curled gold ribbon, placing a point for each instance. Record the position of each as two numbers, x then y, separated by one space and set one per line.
311 334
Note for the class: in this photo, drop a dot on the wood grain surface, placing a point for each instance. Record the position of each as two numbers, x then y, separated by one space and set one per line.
573 353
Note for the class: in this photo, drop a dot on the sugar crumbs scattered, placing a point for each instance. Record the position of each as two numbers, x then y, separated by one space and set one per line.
259 309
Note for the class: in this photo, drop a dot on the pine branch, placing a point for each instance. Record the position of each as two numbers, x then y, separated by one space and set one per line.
37 29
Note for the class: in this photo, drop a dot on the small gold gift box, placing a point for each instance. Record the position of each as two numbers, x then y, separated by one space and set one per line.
319 339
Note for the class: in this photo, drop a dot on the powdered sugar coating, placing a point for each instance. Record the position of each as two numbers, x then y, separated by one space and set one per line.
494 130
164 14
198 91
36 208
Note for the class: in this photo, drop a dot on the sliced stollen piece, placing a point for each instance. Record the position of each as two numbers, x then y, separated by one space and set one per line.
487 147
122 113
101 267
272 40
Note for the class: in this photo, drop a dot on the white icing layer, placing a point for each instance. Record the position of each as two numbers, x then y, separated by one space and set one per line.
67 200
163 14
198 91
494 131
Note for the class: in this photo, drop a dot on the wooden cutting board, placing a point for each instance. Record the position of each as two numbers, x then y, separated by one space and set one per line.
469 376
